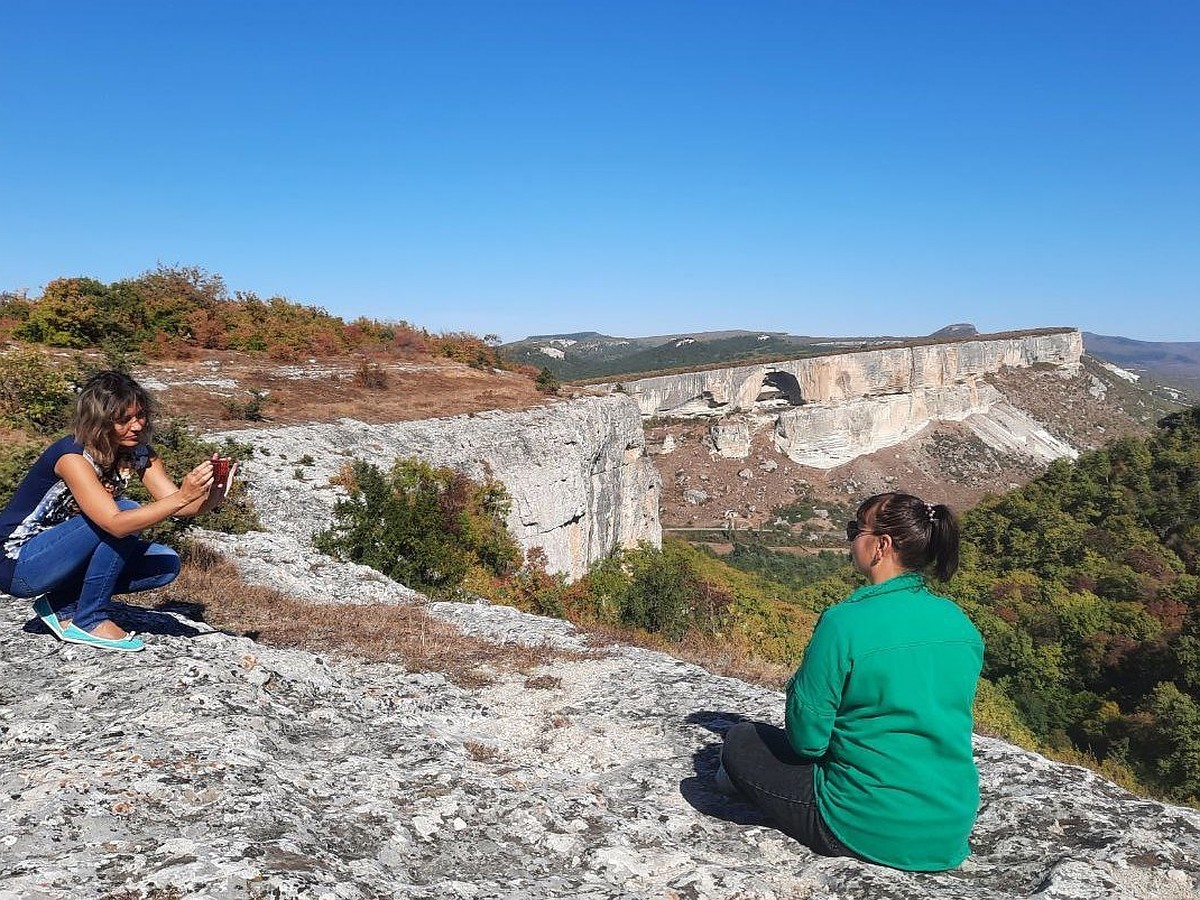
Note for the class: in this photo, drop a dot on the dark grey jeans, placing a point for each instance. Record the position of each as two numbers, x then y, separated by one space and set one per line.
762 765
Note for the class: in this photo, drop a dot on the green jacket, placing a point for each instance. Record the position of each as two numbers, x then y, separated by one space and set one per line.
882 704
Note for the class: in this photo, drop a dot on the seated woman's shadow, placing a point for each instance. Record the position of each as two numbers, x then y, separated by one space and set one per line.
700 791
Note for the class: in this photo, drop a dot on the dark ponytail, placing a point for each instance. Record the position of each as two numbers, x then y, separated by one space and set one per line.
924 534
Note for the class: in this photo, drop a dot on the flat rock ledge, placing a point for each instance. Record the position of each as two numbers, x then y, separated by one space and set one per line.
213 767
210 766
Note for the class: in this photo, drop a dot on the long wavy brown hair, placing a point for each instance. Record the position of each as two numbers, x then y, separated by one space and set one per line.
103 402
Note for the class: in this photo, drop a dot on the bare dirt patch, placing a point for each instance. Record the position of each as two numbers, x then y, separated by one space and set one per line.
325 390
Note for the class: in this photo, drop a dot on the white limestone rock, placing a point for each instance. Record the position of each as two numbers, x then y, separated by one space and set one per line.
825 435
829 410
577 472
847 376
730 440
213 767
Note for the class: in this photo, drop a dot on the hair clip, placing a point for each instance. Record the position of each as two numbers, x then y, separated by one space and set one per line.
929 511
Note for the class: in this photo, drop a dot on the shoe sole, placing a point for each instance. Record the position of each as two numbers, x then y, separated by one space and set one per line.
73 635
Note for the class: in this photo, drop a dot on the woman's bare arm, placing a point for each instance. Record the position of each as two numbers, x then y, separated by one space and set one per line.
97 504
160 485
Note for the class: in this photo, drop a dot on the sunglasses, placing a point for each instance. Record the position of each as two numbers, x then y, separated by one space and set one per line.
854 529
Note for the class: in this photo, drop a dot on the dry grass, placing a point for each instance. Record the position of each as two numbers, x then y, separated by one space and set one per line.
713 654
420 388
211 588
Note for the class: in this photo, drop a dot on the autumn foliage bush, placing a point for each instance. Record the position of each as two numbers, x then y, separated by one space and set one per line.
175 311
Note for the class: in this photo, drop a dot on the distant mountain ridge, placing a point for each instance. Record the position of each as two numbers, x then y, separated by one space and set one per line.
1168 367
1175 363
590 354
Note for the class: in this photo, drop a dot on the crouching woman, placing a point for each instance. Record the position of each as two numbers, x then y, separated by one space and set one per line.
70 537
875 758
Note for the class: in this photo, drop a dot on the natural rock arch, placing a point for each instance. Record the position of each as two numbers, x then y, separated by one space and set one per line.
780 386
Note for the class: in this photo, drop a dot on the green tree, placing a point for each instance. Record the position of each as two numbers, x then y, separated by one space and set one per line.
34 394
70 313
547 382
1173 744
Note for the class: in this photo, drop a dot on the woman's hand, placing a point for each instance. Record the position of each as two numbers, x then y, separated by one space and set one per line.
196 483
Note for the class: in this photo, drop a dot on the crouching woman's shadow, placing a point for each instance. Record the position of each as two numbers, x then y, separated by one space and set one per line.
700 791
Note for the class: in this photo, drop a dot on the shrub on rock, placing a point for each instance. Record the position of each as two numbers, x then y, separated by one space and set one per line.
421 525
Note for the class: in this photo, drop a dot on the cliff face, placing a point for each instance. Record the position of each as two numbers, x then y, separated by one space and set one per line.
827 410
847 376
823 435
576 471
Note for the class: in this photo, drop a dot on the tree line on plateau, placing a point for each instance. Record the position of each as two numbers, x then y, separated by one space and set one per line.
172 312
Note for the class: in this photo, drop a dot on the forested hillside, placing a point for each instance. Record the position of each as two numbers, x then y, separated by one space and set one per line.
1086 586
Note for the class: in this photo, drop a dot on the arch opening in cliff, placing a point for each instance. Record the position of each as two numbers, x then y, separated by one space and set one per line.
780 389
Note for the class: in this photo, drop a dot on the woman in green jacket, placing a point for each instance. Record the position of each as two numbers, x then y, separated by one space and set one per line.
874 760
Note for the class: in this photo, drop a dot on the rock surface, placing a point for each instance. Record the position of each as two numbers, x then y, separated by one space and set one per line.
825 435
212 767
577 472
847 376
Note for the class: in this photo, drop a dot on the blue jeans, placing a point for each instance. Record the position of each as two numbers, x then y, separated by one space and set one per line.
80 563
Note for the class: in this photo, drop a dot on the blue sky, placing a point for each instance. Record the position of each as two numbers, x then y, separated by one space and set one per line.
633 168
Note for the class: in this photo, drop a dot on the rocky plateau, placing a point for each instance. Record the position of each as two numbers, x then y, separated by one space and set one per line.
211 766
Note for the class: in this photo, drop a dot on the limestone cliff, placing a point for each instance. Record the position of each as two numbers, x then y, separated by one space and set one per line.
827 410
577 472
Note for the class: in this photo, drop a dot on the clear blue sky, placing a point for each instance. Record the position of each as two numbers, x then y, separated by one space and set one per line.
627 166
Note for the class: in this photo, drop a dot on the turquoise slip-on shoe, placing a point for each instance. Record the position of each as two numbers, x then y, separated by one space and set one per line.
130 644
43 610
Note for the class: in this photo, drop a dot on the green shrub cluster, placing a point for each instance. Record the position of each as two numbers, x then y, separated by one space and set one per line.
789 568
421 525
252 409
654 589
677 591
35 395
547 382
